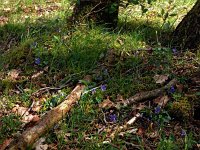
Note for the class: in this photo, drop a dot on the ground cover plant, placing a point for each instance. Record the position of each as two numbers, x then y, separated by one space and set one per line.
43 57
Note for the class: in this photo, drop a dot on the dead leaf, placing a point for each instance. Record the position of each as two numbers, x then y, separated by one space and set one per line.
14 73
37 74
24 113
140 106
3 20
37 106
180 87
160 79
39 144
106 104
153 135
162 100
140 131
5 144
120 101
20 110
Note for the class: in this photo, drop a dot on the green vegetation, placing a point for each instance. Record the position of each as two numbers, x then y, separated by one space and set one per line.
39 48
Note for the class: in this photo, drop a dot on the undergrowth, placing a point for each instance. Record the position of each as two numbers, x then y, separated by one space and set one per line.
39 49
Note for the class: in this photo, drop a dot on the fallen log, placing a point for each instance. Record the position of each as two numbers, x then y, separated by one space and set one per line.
139 97
29 136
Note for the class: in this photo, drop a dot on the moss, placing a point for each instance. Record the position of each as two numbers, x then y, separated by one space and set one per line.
181 109
18 55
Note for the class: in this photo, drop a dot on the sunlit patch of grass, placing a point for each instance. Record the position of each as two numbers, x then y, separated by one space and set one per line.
9 124
37 38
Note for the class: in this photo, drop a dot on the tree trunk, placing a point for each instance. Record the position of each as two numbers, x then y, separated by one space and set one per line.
187 33
97 11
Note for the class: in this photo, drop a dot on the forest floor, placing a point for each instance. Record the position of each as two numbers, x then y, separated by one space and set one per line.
43 58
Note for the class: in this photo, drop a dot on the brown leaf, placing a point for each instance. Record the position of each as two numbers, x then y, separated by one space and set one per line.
20 110
140 131
24 113
153 135
160 79
39 144
162 100
37 106
14 73
180 87
106 104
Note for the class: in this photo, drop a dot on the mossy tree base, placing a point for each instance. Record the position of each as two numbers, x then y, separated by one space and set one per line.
187 33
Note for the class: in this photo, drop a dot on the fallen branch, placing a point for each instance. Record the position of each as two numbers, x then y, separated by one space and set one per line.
150 94
29 136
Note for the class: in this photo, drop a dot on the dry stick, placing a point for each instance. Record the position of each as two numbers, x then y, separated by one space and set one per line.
29 136
141 97
150 94
125 126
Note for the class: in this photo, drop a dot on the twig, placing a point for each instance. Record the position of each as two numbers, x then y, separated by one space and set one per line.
124 127
150 94
51 88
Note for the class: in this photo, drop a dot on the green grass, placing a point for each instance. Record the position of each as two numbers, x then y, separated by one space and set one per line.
125 60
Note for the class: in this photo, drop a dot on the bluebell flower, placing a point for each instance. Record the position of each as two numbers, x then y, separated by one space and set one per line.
37 61
112 117
183 133
103 87
172 89
157 109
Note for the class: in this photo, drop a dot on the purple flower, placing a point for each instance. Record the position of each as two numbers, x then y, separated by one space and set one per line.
183 133
112 117
157 109
174 50
37 61
172 89
103 87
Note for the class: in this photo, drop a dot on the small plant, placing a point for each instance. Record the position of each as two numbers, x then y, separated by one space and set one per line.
167 144
9 124
159 116
188 140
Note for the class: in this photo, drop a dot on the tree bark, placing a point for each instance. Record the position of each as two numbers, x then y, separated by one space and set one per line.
98 11
187 33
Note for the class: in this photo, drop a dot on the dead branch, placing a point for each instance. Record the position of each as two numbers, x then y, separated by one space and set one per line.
150 94
29 136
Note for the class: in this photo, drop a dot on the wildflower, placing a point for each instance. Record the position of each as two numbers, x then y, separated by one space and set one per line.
183 133
174 50
113 117
157 109
172 89
103 87
37 61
